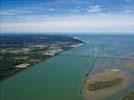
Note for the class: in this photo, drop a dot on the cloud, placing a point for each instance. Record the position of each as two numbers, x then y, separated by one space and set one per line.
32 9
74 23
11 12
129 0
7 12
95 9
77 7
51 9
130 11
26 18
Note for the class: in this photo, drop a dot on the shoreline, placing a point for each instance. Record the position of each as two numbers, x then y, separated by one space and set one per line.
84 41
87 74
30 65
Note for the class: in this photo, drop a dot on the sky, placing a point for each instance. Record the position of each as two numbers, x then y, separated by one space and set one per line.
81 16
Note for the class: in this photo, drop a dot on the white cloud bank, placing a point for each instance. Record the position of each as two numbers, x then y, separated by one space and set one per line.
74 23
95 9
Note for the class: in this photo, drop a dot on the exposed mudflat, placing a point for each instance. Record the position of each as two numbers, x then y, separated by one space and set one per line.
104 76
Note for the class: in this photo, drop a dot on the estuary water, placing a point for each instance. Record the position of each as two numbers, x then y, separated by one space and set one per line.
61 77
58 78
